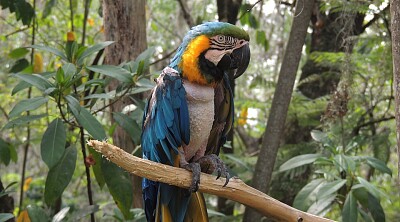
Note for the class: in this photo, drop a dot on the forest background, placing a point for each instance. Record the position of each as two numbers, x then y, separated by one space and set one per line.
74 70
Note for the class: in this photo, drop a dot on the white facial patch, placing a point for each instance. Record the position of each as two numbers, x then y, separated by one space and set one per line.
222 45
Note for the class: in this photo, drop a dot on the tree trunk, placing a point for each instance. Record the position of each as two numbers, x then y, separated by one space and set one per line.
395 30
125 23
228 11
280 103
6 203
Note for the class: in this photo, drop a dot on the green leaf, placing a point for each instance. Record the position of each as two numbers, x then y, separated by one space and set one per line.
83 212
53 143
89 51
330 188
5 155
129 125
371 188
379 165
299 161
261 39
47 8
350 211
109 95
60 175
37 214
307 195
18 53
23 120
19 65
319 136
24 85
322 205
35 80
98 174
5 217
51 50
60 215
116 72
120 186
73 105
90 124
375 208
142 62
69 71
27 105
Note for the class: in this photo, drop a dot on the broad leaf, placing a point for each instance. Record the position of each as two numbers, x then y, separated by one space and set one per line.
350 211
98 173
379 165
116 72
330 188
5 217
322 205
371 188
60 175
18 53
35 80
319 136
51 50
69 71
37 214
24 85
375 208
27 105
307 195
120 186
19 66
60 215
5 154
89 51
129 125
299 161
53 143
23 120
91 124
73 105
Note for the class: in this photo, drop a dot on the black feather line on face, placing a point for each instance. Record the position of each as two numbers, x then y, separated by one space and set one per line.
211 72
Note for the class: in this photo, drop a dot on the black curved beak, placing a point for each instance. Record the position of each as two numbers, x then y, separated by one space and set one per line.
240 60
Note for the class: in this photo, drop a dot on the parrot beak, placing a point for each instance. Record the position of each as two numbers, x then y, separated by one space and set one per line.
241 59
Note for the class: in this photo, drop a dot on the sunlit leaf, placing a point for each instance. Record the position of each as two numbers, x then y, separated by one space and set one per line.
116 72
322 205
350 211
60 175
18 53
89 51
53 143
120 186
319 136
60 215
27 105
299 161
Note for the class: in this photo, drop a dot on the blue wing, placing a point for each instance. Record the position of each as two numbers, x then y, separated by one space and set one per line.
165 129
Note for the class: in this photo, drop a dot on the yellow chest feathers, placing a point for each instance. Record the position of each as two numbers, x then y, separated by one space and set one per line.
190 60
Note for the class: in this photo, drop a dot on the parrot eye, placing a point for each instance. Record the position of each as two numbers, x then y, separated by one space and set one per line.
221 38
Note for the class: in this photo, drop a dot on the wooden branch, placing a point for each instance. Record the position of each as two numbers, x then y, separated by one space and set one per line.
235 190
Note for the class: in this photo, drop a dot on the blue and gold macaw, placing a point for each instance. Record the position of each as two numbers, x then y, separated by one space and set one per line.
188 115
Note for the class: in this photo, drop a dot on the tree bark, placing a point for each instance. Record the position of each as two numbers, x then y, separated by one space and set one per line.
280 103
228 11
124 23
395 30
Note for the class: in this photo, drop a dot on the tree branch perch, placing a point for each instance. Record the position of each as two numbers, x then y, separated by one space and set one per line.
235 190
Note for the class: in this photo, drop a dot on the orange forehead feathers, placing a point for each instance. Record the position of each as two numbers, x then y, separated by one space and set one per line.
190 59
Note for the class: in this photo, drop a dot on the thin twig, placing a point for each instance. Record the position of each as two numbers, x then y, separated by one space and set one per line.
235 190
17 31
87 170
72 15
164 57
249 9
28 128
186 15
85 16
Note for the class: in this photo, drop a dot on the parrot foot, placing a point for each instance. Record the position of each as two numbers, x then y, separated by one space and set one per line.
196 170
212 163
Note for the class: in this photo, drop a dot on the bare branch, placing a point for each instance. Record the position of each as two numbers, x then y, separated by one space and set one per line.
186 15
236 189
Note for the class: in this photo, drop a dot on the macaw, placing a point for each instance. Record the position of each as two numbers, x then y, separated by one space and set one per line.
188 115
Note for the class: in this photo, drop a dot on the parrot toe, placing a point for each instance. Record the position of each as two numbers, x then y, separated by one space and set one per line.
212 163
194 167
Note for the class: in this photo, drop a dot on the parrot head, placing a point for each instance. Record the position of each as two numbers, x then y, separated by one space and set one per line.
211 49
